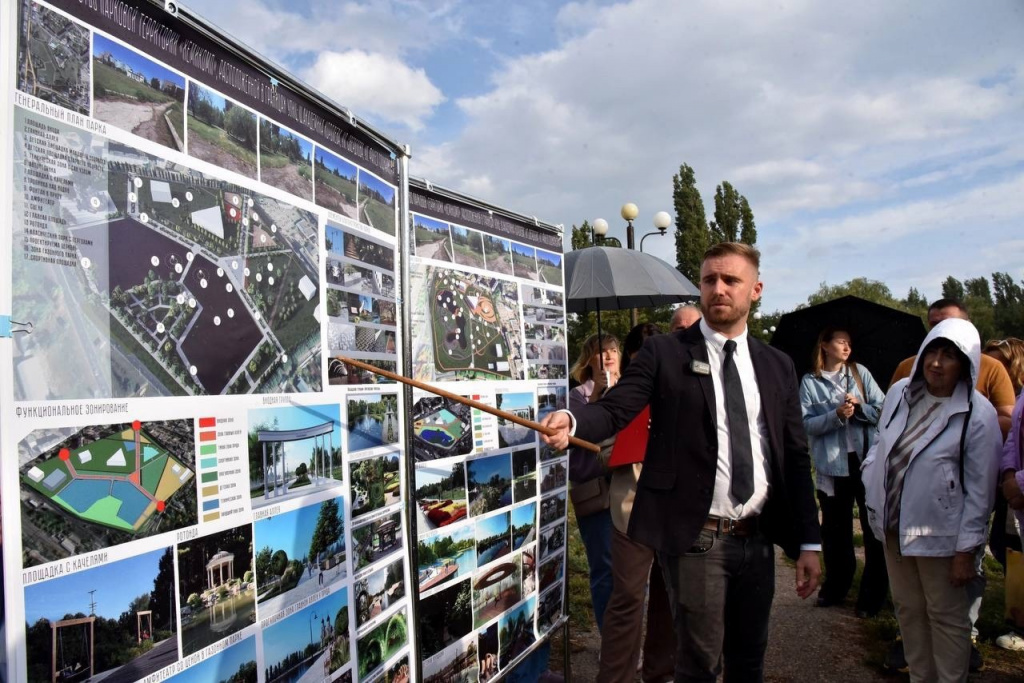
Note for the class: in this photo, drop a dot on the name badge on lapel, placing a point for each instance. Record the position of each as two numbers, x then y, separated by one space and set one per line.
698 367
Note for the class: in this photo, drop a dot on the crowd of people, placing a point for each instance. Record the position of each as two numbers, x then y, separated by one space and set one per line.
713 452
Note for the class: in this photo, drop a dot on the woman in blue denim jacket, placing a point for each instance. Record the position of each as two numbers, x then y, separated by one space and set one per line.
841 404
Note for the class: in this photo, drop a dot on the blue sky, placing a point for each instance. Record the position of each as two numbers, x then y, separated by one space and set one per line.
133 59
430 224
861 133
431 475
290 531
298 417
116 585
374 183
518 400
483 469
524 514
304 145
292 634
221 666
336 163
492 526
216 100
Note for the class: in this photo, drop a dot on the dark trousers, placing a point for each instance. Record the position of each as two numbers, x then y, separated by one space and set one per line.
721 600
624 619
596 532
837 544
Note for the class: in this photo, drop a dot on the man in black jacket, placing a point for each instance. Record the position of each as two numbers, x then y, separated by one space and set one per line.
726 474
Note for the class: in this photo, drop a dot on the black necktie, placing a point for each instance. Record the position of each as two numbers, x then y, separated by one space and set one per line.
742 459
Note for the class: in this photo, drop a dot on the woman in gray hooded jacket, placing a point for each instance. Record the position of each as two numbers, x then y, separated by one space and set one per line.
930 483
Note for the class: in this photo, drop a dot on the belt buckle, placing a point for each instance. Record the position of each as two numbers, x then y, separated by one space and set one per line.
726 526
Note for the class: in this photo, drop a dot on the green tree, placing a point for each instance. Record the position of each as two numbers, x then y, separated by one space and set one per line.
952 289
725 227
581 237
748 229
872 290
328 528
692 238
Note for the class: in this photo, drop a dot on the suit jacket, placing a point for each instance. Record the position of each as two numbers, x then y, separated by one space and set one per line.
677 483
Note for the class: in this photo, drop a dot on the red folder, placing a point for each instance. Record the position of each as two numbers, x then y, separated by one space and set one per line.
631 442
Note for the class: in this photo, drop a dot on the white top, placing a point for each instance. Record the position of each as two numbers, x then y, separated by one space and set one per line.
838 378
722 503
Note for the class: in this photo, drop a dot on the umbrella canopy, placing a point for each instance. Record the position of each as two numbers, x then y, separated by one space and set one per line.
610 279
881 336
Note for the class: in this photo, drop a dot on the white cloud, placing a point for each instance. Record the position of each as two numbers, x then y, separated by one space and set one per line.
375 84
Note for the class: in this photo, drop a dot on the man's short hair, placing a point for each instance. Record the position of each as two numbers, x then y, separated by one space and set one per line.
735 249
939 304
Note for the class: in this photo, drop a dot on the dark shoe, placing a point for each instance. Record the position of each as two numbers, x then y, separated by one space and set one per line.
896 659
977 663
826 601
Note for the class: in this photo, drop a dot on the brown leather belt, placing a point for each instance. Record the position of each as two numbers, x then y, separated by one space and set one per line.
732 527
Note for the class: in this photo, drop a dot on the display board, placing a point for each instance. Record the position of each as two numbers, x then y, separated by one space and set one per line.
487 315
192 487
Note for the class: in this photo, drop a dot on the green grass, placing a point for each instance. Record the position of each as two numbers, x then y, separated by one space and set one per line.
152 472
382 217
345 186
268 160
109 82
220 139
176 114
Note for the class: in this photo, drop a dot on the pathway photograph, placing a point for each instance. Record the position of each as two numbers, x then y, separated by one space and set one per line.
220 131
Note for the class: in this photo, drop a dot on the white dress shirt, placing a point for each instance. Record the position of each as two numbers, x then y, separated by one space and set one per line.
722 503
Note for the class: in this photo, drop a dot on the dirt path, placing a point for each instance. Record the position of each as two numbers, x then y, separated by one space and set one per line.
435 250
201 149
141 118
330 198
287 178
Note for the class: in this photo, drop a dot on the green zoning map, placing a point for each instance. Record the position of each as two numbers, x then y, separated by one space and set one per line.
104 485
146 277
467 326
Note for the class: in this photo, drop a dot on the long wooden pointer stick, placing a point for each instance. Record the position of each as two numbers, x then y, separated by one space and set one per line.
536 426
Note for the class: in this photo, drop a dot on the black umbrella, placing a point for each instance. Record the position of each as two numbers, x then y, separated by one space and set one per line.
610 279
881 336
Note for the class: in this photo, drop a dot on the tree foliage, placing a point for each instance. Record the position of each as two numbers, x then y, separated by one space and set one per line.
692 235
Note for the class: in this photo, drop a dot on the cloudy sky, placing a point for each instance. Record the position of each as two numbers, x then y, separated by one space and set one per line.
878 139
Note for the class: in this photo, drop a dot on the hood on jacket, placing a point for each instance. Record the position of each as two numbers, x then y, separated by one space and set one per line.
964 335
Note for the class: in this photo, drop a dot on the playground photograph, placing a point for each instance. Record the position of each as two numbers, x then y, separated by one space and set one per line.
381 643
376 540
516 631
372 421
440 494
114 621
524 261
377 203
335 183
455 664
55 58
469 247
294 450
445 556
509 432
524 525
136 94
445 617
498 255
309 644
105 485
492 538
497 588
235 664
433 239
286 160
489 483
379 590
524 474
441 428
216 587
298 553
549 266
221 132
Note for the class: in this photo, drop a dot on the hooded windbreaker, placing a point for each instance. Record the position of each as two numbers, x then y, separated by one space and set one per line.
938 515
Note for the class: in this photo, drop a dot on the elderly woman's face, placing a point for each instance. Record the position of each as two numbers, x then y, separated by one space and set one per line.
942 368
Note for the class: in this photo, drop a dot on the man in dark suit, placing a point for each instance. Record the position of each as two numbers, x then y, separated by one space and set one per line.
726 474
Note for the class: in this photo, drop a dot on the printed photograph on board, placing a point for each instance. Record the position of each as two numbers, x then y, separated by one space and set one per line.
516 632
553 476
309 644
466 326
524 473
498 255
511 433
53 57
372 421
376 540
550 572
529 556
377 591
114 622
235 664
489 482
216 587
446 556
220 131
433 239
493 538
440 494
398 672
87 489
376 483
552 540
549 609
294 450
335 183
524 261
136 94
497 588
469 247
444 617
487 645
377 203
381 643
550 399
549 267
298 553
286 160
524 525
441 428
552 508
457 663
